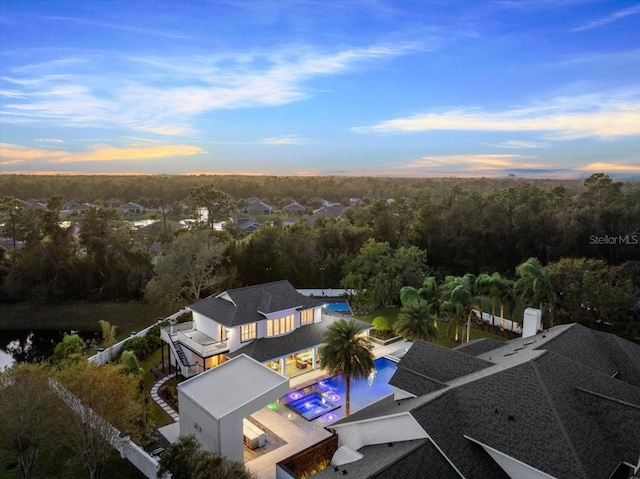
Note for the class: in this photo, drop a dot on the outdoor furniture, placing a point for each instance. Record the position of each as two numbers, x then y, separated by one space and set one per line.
253 436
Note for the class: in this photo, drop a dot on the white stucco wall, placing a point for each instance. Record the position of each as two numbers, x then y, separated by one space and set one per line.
207 431
206 325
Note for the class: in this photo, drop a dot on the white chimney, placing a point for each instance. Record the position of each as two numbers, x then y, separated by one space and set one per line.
531 322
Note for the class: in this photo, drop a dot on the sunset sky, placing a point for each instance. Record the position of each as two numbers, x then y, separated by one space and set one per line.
537 88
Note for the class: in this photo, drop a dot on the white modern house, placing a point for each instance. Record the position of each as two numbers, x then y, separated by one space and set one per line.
214 405
271 323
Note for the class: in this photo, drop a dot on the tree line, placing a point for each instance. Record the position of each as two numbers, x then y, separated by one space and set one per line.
93 188
376 245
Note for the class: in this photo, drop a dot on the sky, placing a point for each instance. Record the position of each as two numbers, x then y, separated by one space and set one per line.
532 88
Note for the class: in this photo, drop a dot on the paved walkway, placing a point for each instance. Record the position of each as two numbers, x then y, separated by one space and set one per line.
161 402
264 467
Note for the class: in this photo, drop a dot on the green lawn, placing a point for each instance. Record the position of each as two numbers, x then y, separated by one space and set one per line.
156 414
82 315
391 314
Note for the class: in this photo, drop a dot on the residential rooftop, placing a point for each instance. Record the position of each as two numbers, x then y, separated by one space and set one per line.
562 403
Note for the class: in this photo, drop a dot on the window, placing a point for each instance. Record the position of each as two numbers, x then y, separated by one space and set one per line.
248 332
276 327
306 317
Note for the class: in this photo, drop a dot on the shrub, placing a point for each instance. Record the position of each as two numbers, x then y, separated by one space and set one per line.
185 317
169 393
382 324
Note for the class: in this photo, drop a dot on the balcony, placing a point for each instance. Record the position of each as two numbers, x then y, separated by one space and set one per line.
195 340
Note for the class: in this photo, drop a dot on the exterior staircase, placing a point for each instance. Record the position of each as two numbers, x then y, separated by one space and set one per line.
180 352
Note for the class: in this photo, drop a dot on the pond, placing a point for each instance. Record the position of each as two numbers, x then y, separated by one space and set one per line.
33 345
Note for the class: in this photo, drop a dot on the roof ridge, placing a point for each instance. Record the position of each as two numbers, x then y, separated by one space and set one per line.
424 376
549 340
554 411
261 285
609 398
621 346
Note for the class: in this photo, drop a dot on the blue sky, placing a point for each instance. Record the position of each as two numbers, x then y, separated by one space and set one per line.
537 88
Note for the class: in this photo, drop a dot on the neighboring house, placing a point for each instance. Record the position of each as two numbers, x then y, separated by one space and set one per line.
253 200
258 208
335 210
246 223
564 403
131 209
271 323
354 200
80 210
34 205
157 227
294 208
68 205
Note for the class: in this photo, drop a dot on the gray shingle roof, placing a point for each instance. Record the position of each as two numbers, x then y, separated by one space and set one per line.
560 411
479 346
402 460
427 367
249 302
600 351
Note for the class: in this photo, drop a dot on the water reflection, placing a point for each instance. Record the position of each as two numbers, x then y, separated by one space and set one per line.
33 345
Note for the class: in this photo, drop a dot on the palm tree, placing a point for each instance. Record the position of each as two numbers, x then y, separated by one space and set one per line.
455 312
478 287
534 285
499 288
345 352
457 302
431 292
415 321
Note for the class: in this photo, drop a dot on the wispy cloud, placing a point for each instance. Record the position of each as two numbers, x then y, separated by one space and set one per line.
620 14
561 118
164 95
49 140
286 140
117 26
472 165
473 162
611 167
518 144
12 154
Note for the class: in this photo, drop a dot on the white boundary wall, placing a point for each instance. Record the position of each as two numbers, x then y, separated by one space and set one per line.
327 292
128 449
508 324
145 463
103 357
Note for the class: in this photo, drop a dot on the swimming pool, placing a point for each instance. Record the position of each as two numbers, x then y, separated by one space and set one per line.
338 306
312 406
331 391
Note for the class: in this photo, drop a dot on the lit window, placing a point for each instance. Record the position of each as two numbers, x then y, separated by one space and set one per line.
276 327
306 317
248 332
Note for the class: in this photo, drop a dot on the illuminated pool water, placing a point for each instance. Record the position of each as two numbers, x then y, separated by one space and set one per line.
312 406
332 391
338 306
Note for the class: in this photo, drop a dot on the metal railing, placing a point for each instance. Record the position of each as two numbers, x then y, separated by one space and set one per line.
203 350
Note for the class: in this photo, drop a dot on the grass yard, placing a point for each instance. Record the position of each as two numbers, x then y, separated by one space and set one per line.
391 314
156 414
82 315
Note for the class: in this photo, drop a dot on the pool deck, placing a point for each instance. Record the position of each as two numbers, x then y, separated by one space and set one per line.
264 467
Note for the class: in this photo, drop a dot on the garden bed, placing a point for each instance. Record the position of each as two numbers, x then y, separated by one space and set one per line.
385 339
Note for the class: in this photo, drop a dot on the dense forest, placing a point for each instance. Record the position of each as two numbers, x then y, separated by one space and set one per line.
402 229
334 188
